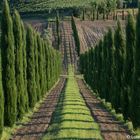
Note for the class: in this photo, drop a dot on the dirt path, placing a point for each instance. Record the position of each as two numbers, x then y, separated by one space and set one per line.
111 129
68 43
40 120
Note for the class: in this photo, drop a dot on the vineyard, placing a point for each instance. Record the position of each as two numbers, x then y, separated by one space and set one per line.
72 75
49 5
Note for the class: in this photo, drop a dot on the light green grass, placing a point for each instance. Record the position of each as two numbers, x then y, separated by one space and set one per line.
72 119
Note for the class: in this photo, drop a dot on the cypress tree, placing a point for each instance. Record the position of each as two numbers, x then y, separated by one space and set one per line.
8 66
57 30
104 67
49 68
129 64
31 85
36 67
110 63
93 63
24 66
119 58
136 78
1 99
99 65
44 72
19 64
40 63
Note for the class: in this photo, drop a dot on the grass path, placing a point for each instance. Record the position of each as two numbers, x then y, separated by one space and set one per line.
72 119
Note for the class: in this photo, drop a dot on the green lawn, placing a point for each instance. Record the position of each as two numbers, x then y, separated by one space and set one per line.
72 119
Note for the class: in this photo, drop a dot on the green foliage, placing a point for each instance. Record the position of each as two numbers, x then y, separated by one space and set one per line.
1 99
136 77
76 37
8 67
40 64
38 92
119 58
112 70
27 60
58 31
19 65
129 65
31 84
24 66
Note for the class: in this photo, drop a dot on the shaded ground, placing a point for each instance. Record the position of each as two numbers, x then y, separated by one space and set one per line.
111 129
37 126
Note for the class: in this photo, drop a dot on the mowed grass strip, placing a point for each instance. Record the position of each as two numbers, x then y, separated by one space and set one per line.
72 119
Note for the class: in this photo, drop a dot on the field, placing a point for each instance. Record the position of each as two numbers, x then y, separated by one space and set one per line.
90 33
69 70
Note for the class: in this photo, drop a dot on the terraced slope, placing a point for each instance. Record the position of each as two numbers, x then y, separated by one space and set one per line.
41 5
72 119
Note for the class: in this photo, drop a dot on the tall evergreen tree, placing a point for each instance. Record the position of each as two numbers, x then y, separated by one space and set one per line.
36 67
8 67
31 85
119 58
129 65
24 66
1 99
99 65
19 64
104 67
110 63
40 63
136 78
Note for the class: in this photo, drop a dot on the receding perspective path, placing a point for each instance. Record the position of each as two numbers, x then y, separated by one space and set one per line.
110 128
72 119
37 126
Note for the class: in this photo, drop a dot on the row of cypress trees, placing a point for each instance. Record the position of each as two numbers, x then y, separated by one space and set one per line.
112 69
75 34
29 67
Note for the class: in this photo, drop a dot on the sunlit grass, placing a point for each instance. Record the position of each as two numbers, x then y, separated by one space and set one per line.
72 119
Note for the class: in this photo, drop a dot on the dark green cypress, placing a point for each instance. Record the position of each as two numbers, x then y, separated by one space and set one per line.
49 68
24 66
40 63
129 65
19 64
104 92
76 37
119 58
136 78
44 68
110 64
1 99
31 85
8 67
38 93
58 30
99 65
